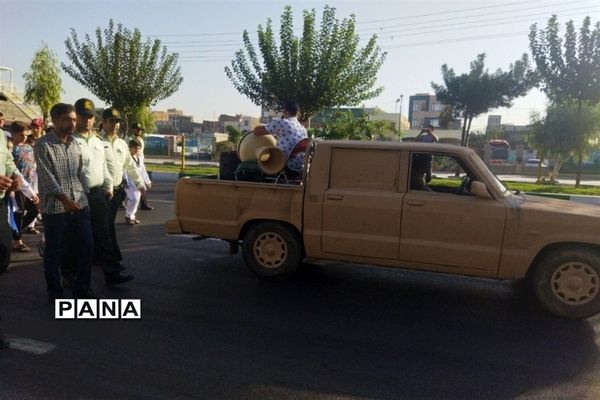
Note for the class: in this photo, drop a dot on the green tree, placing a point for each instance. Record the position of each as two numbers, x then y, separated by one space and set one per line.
234 135
43 85
479 91
323 68
446 117
555 135
143 116
569 75
121 69
343 124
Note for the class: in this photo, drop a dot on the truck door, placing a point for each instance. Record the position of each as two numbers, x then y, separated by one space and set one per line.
444 224
362 207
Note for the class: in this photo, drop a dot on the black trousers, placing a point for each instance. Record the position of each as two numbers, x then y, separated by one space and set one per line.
115 203
106 249
27 214
5 238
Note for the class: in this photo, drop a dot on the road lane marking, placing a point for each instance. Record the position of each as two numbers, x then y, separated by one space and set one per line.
29 345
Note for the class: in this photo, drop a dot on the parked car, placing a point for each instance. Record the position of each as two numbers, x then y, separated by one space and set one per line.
534 162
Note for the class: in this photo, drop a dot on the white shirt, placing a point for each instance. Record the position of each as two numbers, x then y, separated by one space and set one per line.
95 166
119 160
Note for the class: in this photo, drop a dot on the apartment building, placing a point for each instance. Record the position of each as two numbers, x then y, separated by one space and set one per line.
425 109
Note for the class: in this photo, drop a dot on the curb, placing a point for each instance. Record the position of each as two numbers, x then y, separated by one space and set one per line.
174 176
594 200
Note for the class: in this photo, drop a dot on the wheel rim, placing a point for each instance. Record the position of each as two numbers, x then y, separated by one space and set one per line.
270 250
575 283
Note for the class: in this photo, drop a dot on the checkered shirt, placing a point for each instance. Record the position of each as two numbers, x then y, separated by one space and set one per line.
60 171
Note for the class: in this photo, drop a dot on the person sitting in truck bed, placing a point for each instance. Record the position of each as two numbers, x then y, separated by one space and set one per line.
291 138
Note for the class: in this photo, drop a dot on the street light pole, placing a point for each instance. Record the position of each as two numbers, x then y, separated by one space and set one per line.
400 114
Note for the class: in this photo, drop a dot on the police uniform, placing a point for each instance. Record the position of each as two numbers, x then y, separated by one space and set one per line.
99 182
119 160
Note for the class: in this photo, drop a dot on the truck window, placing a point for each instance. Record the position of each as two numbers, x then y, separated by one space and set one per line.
360 169
439 173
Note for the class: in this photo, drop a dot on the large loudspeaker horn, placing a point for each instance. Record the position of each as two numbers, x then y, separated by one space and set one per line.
270 158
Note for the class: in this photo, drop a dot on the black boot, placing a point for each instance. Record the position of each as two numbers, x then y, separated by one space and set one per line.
144 204
116 278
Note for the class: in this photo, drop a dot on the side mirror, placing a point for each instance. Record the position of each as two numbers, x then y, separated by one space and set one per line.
479 189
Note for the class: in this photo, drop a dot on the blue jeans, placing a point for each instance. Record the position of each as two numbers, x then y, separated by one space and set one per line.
79 226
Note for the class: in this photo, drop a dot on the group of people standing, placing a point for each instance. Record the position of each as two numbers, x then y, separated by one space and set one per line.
78 178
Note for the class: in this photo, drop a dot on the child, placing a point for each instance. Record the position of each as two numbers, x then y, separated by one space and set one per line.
133 193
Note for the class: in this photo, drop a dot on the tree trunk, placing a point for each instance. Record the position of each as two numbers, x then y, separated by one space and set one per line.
581 144
539 166
579 162
464 128
468 130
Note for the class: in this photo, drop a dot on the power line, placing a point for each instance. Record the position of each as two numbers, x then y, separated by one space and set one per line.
441 13
444 13
420 24
400 33
478 16
225 50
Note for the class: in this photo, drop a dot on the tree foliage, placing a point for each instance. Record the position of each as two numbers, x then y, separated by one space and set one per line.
477 92
233 134
121 69
323 68
556 135
569 71
344 125
43 85
143 116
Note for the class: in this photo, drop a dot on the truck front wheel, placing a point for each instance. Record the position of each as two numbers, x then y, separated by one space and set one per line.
272 250
567 282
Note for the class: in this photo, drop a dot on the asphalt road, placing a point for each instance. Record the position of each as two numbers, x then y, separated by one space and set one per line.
211 330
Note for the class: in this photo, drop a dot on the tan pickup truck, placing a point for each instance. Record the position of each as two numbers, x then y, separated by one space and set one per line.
371 203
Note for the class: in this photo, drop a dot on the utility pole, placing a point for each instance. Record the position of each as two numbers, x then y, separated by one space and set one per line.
400 115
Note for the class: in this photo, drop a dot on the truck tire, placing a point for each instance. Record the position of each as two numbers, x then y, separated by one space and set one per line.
567 282
272 250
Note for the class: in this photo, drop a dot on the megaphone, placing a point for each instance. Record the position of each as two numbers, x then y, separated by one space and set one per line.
270 159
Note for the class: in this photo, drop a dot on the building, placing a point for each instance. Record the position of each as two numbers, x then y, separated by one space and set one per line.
174 122
210 127
494 121
514 134
425 109
14 107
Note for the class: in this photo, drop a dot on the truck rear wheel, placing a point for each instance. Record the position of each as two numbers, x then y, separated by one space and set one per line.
272 250
567 282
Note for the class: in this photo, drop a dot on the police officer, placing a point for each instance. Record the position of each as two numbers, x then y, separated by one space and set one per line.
119 159
100 184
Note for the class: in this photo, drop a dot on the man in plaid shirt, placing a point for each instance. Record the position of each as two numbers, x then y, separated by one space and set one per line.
64 203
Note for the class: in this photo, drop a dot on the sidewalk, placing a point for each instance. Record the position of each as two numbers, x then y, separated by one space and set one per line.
177 161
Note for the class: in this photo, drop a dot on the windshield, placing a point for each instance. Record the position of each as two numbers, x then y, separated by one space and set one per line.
499 185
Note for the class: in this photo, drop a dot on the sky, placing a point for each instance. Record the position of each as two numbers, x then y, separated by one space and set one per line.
418 36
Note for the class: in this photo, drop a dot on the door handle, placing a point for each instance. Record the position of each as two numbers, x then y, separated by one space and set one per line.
335 197
415 203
